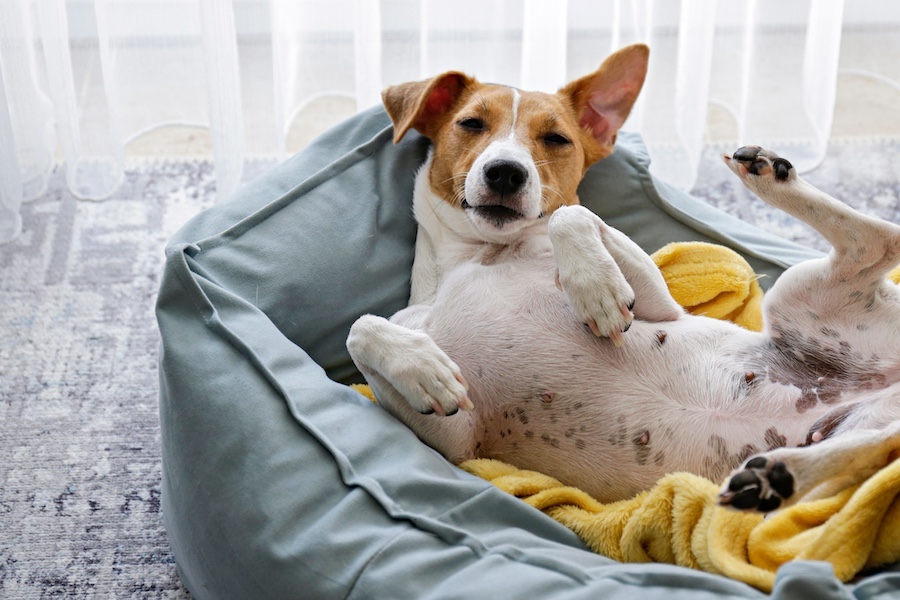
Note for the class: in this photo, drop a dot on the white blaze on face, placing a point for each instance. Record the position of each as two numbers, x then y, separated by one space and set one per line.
506 148
515 112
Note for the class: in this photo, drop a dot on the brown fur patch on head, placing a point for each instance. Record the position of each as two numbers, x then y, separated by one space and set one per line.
550 130
425 105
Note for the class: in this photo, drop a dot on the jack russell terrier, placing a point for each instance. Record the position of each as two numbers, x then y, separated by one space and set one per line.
557 338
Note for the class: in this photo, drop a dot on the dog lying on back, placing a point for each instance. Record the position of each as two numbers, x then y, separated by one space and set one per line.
538 335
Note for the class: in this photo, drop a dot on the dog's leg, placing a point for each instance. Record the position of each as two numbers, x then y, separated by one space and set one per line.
608 278
414 379
838 311
865 248
837 319
786 476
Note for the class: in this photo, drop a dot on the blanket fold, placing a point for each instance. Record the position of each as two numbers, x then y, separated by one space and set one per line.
712 280
678 522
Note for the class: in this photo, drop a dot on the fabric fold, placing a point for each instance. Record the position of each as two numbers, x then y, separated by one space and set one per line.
678 522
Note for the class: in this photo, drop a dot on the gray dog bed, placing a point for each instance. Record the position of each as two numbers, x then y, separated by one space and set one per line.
281 482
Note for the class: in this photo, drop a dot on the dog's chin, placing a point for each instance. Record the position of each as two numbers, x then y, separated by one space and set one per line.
496 218
496 215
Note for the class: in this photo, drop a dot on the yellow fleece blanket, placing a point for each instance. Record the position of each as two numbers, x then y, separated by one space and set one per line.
678 521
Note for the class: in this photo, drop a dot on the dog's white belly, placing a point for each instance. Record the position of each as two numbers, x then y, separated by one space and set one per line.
550 396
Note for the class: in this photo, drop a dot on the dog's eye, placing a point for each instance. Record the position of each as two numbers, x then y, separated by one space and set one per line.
472 124
556 139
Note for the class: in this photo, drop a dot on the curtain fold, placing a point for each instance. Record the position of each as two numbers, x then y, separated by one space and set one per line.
83 80
26 133
696 36
226 118
10 173
544 32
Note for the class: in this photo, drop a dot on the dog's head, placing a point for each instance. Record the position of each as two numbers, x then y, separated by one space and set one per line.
509 157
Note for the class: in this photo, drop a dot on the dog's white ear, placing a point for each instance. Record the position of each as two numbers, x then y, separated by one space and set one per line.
424 105
604 98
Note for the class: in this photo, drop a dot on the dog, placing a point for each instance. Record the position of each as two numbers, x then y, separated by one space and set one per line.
538 335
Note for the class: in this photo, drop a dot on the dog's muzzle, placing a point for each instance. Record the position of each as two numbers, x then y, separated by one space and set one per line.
502 193
505 177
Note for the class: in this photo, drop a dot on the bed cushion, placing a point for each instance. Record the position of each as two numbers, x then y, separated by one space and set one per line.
279 481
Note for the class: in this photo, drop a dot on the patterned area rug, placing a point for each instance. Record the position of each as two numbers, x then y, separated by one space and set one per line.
79 440
79 419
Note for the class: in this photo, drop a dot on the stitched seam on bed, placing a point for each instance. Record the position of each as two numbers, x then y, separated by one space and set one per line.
479 551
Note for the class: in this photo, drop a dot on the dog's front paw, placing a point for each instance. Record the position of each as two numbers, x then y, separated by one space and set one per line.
602 299
429 379
597 290
762 484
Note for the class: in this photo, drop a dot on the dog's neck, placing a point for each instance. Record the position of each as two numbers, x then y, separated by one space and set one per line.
446 238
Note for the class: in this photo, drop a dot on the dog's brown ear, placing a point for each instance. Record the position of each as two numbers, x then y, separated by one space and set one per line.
603 99
424 105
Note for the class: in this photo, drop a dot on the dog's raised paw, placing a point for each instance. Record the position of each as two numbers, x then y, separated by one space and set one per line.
758 161
600 295
429 380
761 484
604 309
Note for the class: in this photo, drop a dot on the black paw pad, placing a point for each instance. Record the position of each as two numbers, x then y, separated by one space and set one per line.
756 166
744 489
781 480
761 485
769 504
747 153
742 480
782 168
427 411
758 160
756 463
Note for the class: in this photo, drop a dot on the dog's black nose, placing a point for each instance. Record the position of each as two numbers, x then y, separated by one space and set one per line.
505 177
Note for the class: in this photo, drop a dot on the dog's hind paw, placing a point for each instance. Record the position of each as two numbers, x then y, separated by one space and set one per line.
753 160
761 484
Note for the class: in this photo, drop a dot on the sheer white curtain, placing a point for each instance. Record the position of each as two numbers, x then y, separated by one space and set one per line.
82 79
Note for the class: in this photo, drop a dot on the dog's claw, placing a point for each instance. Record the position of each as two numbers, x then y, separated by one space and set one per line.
459 377
617 338
558 282
465 403
593 325
438 409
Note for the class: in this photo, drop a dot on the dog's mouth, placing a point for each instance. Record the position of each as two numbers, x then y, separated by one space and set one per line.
496 214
